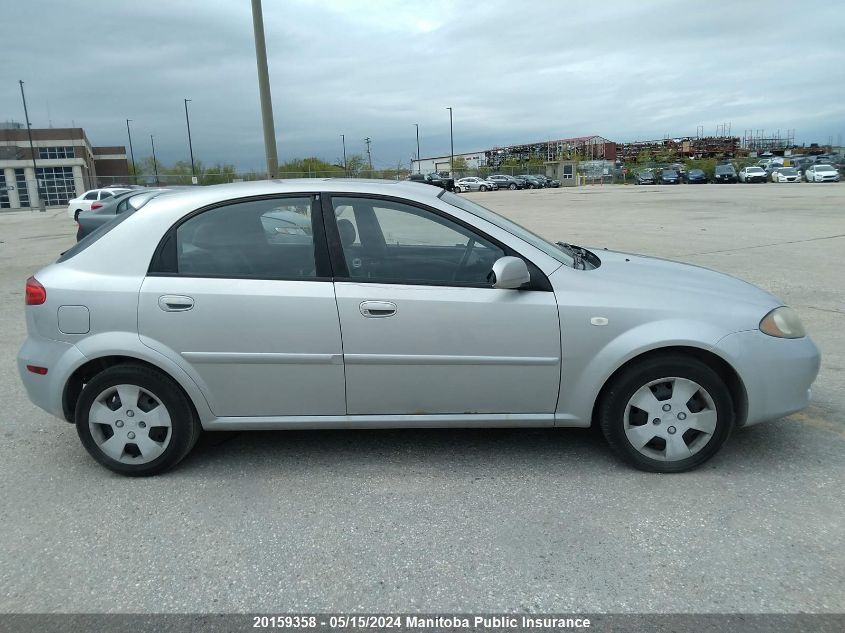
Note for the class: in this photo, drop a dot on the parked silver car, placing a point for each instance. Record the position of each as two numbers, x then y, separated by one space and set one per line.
405 306
473 183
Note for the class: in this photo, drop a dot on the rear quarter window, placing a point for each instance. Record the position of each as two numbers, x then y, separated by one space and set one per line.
92 237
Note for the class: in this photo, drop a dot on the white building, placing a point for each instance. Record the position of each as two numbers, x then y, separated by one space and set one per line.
441 163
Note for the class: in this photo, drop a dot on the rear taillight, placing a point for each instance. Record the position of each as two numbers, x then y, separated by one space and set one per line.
96 205
36 294
35 369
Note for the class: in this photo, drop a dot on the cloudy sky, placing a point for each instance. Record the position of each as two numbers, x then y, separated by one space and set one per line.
513 72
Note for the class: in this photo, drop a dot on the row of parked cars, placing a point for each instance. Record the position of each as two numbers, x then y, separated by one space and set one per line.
727 173
489 183
503 181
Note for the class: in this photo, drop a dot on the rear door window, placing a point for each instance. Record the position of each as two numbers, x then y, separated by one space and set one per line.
261 239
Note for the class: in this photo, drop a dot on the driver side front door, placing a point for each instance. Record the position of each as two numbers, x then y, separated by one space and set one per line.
423 330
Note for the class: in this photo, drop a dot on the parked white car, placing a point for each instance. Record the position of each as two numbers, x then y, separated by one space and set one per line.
821 173
752 174
87 199
786 174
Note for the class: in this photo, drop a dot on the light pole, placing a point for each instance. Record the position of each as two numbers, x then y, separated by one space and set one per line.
131 153
190 145
155 164
264 90
31 148
345 168
451 147
419 166
369 156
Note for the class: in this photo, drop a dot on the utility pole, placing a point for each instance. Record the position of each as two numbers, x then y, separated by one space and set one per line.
419 166
131 153
369 156
451 147
31 148
190 144
264 91
345 168
155 164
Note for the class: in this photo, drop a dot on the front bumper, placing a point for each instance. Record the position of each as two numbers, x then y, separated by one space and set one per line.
777 373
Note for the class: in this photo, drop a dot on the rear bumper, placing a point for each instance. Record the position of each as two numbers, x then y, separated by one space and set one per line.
60 359
777 373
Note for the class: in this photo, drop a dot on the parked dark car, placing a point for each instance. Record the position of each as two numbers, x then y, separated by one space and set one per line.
544 181
724 174
554 183
108 210
435 179
696 177
506 182
644 178
670 177
801 163
531 182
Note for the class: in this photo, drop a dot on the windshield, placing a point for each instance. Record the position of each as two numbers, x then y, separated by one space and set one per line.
507 225
754 170
824 168
788 171
724 169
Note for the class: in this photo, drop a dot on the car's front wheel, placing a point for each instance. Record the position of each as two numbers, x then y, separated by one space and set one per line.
666 414
512 186
483 188
135 421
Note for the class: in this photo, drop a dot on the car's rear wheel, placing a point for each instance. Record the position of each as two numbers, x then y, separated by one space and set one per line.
512 186
483 187
135 420
666 414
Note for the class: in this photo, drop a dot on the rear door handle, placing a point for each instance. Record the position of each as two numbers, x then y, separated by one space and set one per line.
175 303
377 309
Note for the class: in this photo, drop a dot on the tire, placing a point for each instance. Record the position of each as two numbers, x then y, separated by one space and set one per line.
655 383
76 215
157 398
483 188
512 186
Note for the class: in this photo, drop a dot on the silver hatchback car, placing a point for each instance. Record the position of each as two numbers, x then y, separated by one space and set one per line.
384 304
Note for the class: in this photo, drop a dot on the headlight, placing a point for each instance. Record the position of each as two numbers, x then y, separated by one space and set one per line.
782 322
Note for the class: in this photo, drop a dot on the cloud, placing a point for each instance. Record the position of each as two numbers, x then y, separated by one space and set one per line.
512 73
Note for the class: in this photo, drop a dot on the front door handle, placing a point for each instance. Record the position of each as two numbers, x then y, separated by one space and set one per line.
377 309
175 303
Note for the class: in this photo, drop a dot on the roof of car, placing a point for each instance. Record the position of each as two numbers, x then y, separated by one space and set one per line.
210 194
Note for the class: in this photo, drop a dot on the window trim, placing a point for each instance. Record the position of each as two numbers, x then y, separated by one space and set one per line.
164 260
539 280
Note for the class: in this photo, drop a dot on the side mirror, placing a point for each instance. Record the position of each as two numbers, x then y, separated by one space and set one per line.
510 273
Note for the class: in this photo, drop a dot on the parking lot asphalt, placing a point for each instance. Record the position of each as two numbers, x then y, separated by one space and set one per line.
463 520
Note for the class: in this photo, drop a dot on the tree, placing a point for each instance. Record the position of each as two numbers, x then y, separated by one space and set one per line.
311 167
645 157
459 166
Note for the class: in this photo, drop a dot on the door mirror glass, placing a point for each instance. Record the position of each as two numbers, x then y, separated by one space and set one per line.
510 273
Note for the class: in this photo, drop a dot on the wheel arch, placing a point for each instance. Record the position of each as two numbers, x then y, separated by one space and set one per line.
93 366
725 370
